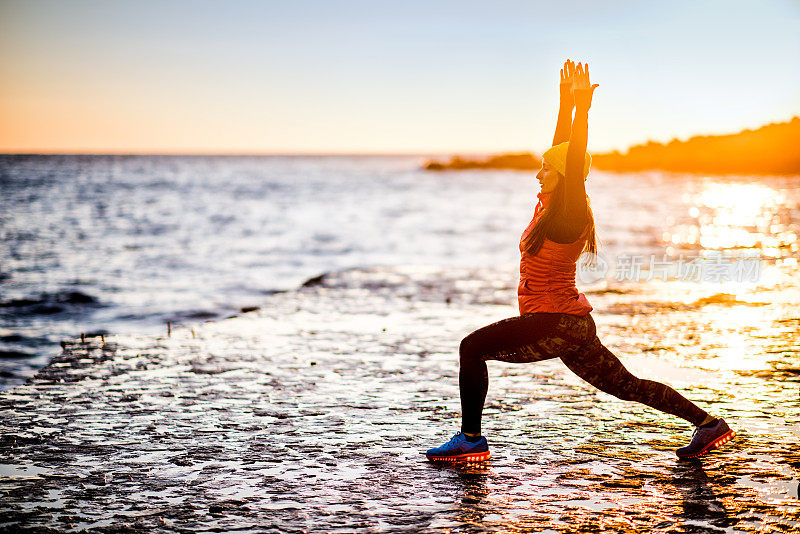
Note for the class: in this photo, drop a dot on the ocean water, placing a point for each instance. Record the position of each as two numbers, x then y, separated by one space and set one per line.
125 244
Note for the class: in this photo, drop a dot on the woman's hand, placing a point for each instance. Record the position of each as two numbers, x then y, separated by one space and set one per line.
565 85
582 88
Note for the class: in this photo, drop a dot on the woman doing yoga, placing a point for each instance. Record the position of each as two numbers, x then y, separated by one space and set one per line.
554 320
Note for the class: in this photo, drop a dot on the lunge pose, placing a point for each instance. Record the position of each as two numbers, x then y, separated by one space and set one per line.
554 320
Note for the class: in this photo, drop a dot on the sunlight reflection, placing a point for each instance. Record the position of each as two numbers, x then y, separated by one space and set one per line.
742 216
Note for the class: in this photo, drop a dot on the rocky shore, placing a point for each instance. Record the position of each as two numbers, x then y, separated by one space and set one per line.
311 415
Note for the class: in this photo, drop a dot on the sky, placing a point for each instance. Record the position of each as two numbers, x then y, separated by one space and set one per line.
377 76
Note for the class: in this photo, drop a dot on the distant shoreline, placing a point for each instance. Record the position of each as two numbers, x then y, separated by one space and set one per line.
524 161
771 149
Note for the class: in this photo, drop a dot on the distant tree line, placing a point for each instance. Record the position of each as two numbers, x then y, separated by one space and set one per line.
771 149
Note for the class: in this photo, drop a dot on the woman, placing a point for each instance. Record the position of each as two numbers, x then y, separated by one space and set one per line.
554 320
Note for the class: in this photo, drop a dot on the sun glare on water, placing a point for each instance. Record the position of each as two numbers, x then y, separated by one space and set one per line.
730 216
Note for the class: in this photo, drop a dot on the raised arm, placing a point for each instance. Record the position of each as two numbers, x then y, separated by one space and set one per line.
576 215
566 104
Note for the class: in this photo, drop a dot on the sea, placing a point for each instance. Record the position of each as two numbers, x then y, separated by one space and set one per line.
111 244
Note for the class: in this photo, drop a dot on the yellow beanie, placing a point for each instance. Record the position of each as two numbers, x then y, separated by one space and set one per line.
556 157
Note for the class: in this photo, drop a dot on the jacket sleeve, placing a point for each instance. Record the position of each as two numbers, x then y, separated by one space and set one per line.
564 123
572 222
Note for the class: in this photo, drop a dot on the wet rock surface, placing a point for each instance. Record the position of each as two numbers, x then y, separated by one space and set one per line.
312 413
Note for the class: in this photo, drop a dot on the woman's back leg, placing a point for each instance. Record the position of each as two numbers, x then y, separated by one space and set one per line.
601 368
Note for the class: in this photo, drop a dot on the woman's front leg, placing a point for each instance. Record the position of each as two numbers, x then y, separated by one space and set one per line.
473 383
521 339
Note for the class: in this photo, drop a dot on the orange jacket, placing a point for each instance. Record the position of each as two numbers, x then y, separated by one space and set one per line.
547 280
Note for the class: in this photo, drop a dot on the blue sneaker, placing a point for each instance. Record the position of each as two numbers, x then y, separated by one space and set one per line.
458 449
706 438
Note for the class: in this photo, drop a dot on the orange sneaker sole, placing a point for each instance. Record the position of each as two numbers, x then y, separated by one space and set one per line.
723 439
471 457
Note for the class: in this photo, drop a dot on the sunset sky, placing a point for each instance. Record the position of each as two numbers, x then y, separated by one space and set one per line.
384 77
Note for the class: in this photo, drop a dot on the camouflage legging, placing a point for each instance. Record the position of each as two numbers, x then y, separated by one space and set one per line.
573 338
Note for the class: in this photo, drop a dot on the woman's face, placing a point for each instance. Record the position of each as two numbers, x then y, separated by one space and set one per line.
548 177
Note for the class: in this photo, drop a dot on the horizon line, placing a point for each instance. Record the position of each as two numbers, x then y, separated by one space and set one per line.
234 153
